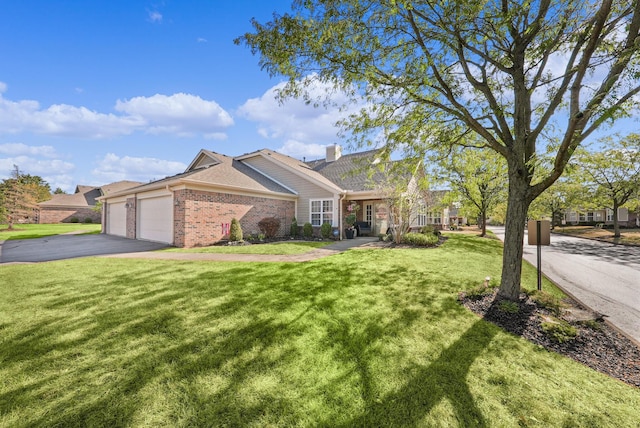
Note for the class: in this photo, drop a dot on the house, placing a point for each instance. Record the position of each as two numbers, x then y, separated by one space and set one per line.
195 208
599 216
80 205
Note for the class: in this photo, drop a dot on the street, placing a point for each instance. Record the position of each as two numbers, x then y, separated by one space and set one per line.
603 276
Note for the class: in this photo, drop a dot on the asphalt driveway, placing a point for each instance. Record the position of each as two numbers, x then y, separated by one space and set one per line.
70 246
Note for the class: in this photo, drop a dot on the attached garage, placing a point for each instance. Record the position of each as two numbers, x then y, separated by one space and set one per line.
155 219
116 219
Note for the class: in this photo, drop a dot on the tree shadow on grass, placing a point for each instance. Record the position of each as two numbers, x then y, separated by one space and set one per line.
443 379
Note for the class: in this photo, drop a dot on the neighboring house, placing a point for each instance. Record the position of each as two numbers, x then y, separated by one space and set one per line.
599 216
78 206
195 208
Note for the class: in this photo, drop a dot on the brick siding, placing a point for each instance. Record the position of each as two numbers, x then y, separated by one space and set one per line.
61 215
199 216
131 218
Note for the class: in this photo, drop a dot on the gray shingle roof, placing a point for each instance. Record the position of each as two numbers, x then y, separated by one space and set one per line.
350 171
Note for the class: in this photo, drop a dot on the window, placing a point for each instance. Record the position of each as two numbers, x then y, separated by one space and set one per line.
609 215
421 218
368 213
590 216
581 217
321 212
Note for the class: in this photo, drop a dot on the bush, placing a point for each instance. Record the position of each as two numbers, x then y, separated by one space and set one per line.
269 226
420 240
307 230
559 330
235 232
325 230
88 220
293 231
548 301
74 220
429 230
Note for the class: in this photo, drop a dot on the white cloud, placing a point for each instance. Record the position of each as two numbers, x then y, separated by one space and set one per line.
36 160
15 149
299 150
201 40
155 16
179 114
296 119
114 168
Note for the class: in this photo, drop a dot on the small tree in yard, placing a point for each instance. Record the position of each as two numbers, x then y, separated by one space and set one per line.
269 226
293 230
307 230
613 174
528 78
235 231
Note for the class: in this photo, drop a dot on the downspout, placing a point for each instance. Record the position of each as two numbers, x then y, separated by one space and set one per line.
340 216
173 217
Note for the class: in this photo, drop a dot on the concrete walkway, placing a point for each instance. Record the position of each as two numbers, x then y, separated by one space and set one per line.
315 254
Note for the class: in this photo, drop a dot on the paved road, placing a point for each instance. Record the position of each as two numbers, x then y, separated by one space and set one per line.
70 246
603 276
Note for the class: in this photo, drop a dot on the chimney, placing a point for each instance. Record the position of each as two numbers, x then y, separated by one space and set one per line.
334 152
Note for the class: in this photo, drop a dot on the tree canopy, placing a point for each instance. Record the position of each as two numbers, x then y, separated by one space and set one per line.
528 78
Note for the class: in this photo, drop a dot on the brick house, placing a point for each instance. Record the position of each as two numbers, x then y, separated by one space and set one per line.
195 208
80 205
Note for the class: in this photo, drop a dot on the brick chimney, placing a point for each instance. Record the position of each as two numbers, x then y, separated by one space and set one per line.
334 152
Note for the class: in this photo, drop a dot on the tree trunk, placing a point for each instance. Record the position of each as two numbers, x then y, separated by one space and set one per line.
484 223
616 225
517 207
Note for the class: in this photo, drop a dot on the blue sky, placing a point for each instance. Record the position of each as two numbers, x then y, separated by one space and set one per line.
98 91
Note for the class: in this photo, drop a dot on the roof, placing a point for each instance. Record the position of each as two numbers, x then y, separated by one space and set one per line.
216 170
349 172
86 196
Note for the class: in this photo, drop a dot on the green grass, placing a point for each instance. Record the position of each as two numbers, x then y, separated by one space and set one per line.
364 338
285 248
31 231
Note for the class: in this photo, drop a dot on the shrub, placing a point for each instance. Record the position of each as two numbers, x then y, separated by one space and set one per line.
508 307
429 230
548 301
269 226
559 330
307 230
325 230
74 220
88 220
235 231
420 240
293 231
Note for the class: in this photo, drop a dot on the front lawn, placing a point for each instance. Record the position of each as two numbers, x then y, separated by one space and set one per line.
373 337
31 231
284 248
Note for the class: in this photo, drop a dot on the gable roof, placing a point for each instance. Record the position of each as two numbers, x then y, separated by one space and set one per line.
299 168
219 171
349 172
86 196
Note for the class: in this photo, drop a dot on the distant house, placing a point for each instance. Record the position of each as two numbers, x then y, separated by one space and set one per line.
600 216
80 205
195 208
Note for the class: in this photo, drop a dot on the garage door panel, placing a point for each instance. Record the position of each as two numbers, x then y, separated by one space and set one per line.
116 219
155 219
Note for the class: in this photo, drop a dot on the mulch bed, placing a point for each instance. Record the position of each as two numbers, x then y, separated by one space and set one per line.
597 344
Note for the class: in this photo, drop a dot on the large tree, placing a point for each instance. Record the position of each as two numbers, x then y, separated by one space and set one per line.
613 174
476 176
19 196
528 77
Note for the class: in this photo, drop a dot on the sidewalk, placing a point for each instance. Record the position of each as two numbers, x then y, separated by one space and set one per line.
315 254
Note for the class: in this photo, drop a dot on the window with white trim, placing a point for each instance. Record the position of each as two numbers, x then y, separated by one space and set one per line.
368 213
321 212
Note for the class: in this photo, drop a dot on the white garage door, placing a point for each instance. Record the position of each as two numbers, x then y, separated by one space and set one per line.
116 219
155 219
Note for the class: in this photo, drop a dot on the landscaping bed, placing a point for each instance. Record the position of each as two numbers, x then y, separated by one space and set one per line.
596 344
